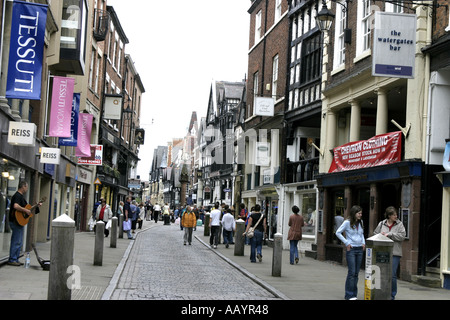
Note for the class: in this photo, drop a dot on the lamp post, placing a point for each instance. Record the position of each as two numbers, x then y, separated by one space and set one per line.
325 17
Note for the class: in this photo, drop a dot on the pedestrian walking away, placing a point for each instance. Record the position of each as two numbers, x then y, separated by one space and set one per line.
104 214
156 212
355 243
256 241
19 206
166 214
229 226
394 229
189 221
214 224
127 217
296 223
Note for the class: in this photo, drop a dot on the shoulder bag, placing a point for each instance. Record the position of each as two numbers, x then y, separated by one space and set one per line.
251 230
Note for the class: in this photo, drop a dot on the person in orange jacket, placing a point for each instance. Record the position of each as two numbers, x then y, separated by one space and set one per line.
188 221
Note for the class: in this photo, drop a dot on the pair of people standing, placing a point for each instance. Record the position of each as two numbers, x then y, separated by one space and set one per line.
355 244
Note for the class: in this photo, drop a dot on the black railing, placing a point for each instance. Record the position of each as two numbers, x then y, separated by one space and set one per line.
303 170
101 24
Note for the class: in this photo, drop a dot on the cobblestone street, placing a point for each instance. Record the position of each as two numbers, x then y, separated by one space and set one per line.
161 267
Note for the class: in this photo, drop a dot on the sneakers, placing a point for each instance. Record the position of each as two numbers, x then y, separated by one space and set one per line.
259 257
296 260
354 298
15 263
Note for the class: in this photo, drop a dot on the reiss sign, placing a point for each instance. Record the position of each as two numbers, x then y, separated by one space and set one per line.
26 51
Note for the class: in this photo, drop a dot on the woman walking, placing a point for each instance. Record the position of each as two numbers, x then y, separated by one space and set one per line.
355 243
257 221
295 233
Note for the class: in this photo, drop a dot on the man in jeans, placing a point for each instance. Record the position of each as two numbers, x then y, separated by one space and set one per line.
214 224
228 225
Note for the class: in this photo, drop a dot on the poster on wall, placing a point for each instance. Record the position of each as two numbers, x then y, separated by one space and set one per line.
379 150
96 157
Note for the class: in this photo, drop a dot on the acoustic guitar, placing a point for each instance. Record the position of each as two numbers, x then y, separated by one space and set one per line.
23 218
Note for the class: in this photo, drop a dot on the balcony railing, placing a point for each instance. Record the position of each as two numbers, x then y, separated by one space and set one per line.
101 24
304 170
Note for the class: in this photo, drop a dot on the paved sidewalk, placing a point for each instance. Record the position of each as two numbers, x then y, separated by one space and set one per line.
308 280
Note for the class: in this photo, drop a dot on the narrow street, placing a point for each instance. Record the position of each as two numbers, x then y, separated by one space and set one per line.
160 267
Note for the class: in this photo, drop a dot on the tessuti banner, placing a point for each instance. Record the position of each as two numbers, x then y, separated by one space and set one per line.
61 109
72 140
83 148
26 51
376 151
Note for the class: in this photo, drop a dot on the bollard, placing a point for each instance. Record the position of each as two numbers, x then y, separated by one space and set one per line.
121 226
277 255
378 274
61 258
206 230
239 241
99 239
113 235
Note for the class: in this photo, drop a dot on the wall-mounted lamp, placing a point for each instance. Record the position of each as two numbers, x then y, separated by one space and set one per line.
325 17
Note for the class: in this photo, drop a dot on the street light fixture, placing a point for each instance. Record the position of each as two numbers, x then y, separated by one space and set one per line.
324 18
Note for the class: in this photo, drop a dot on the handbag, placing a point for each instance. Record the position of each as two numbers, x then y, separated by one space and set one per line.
127 225
251 230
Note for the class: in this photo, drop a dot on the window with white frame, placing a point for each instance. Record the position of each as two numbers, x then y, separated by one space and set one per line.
396 7
277 10
258 26
365 24
339 49
274 76
91 69
255 91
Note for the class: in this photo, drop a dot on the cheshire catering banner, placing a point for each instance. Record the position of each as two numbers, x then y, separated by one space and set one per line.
72 140
379 150
26 51
61 110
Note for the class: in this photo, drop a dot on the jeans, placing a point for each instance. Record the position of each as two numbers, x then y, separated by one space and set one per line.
16 241
293 250
188 235
256 245
354 259
227 236
214 238
395 264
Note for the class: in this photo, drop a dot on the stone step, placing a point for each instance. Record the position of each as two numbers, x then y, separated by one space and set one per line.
426 281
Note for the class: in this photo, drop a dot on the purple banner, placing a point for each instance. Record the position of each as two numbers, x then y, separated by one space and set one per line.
61 111
83 148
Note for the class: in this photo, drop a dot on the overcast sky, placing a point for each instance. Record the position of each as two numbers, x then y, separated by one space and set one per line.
178 48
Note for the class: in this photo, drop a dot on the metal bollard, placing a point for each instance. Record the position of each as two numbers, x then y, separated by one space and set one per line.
113 241
239 241
61 258
99 239
121 226
206 229
277 254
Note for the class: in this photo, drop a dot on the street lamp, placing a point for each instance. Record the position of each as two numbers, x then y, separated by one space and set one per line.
324 18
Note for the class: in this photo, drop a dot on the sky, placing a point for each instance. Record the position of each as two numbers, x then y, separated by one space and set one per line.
179 47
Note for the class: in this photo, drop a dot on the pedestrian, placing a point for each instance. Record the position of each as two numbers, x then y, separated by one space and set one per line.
141 215
214 224
156 212
127 215
242 212
19 205
104 214
134 215
188 221
393 228
166 214
296 224
229 226
338 220
120 209
355 243
247 239
181 212
258 221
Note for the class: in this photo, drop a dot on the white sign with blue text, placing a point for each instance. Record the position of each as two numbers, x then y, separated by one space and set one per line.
394 45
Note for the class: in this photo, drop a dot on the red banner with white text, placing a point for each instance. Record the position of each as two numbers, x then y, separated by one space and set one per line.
376 151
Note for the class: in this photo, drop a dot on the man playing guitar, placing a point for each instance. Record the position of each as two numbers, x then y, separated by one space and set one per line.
18 203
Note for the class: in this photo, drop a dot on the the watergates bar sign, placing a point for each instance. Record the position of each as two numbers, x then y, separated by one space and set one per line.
394 45
379 150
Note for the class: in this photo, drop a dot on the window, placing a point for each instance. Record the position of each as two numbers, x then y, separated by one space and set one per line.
365 25
394 7
277 10
91 69
311 62
339 50
274 76
258 26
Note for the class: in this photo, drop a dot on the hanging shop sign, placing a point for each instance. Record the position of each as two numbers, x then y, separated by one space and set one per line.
264 106
262 154
394 45
22 133
113 107
61 110
379 150
50 155
95 158
26 50
72 140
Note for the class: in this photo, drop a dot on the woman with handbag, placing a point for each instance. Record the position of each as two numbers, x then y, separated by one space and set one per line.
256 226
104 214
